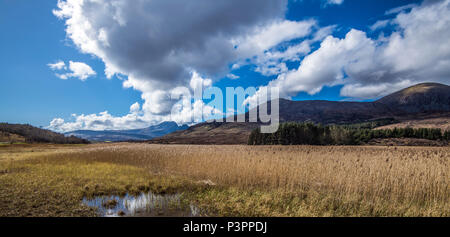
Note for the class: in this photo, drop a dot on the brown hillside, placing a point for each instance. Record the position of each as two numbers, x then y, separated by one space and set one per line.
442 122
6 137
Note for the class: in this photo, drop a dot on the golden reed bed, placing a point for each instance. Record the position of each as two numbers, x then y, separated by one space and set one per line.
284 180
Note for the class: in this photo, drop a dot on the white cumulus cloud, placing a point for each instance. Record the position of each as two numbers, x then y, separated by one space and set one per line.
266 37
276 48
79 70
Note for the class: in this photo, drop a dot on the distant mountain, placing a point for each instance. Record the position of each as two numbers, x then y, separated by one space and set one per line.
30 134
127 135
427 100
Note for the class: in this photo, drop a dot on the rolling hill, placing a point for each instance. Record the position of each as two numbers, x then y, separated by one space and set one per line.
422 101
26 133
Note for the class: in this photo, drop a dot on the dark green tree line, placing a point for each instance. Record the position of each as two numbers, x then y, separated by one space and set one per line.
317 134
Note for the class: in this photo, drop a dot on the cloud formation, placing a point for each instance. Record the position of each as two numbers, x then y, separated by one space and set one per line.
78 70
145 42
368 68
156 52
273 61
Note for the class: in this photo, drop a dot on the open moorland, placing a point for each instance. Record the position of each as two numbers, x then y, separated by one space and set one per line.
51 180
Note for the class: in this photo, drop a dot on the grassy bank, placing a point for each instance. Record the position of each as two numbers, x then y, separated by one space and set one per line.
231 180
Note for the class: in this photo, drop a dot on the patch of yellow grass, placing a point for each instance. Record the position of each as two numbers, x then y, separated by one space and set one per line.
42 184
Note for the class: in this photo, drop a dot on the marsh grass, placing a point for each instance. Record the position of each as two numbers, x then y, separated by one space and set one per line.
250 181
41 184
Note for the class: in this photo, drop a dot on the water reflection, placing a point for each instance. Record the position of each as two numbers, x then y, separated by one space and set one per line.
145 204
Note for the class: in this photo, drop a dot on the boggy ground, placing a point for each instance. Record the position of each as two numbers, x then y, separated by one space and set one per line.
229 180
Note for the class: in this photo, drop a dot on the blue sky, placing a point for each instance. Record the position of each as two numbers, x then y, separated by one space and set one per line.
34 36
31 38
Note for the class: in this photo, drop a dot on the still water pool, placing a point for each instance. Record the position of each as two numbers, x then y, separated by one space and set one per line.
145 205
